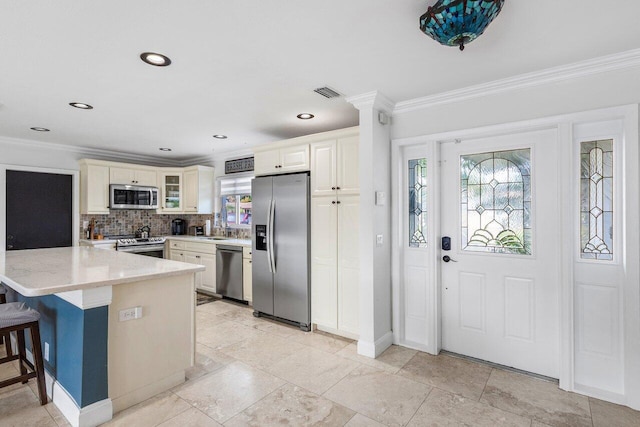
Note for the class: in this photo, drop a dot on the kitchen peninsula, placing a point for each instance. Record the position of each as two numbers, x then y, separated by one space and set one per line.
116 328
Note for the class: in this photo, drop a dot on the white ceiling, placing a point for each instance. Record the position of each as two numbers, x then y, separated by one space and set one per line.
245 68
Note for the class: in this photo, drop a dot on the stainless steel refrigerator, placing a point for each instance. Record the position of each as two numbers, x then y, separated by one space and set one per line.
281 248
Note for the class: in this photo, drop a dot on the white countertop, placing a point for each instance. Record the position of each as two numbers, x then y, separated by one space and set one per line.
206 239
38 272
210 239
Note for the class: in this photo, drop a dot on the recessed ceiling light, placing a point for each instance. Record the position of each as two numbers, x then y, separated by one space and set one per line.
157 59
220 136
305 116
81 105
164 149
37 129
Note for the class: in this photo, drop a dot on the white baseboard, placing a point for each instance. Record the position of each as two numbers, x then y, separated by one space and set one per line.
375 349
89 416
337 332
597 393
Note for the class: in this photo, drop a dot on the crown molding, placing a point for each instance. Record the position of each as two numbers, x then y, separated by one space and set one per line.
372 100
586 68
99 153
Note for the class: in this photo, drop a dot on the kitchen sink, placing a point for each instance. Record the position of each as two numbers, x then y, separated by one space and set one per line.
214 238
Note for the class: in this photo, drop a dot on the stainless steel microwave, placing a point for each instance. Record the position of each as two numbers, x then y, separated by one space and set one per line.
132 197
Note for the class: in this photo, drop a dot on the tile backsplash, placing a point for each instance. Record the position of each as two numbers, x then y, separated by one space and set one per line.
127 221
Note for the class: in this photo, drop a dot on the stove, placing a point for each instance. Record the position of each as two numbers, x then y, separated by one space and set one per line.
133 241
150 246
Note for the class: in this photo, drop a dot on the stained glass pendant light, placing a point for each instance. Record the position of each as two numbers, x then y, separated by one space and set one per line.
459 22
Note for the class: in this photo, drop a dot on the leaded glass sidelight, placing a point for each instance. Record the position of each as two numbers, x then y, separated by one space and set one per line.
596 200
417 203
496 202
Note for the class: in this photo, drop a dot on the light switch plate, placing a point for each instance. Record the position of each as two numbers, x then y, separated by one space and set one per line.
379 240
381 198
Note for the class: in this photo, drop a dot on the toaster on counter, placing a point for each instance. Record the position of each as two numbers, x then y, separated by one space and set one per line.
196 230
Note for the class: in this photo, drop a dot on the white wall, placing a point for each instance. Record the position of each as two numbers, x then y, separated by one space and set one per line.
24 153
610 89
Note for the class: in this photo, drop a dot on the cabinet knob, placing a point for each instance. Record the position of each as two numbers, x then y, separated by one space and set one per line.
197 256
333 202
333 188
249 261
337 188
338 202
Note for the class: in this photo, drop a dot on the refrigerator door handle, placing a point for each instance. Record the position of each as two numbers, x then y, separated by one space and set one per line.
269 236
272 214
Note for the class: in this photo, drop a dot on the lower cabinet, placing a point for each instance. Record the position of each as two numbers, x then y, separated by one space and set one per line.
205 280
197 253
335 264
247 271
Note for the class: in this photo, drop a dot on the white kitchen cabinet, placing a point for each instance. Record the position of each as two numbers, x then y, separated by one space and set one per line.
171 189
295 158
205 280
176 255
201 253
94 188
132 176
324 262
335 264
348 169
334 167
348 264
247 271
323 168
282 160
198 189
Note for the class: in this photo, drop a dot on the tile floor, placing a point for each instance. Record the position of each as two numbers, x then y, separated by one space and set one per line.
254 372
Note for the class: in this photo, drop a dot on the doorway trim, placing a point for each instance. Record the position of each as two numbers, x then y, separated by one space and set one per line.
75 188
564 126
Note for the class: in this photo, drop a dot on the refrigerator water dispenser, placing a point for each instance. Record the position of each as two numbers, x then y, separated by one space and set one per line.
261 237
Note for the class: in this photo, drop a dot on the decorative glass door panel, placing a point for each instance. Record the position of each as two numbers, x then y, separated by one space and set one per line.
596 200
417 203
496 202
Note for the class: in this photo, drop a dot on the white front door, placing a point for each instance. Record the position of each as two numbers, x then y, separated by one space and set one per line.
499 206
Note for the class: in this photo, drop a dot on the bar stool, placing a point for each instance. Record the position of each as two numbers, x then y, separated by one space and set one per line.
16 317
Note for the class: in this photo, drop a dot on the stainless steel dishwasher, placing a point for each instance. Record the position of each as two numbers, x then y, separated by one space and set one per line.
229 271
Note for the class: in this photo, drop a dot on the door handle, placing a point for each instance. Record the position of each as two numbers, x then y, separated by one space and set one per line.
272 225
447 258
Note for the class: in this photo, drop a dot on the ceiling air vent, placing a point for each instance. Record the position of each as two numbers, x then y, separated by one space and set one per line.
327 92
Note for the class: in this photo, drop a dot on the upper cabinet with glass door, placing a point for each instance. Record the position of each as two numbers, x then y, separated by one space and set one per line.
171 187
